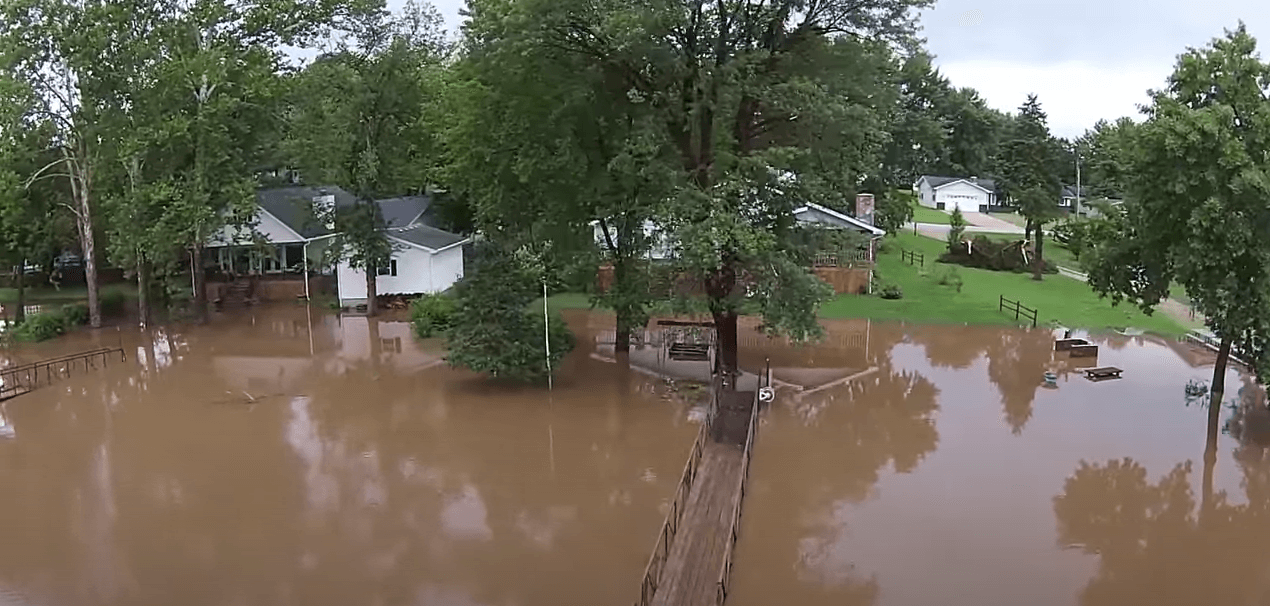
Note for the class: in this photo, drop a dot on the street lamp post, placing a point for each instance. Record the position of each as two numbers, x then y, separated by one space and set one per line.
1076 148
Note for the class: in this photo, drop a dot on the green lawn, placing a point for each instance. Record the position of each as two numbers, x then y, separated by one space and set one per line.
1058 300
69 294
925 214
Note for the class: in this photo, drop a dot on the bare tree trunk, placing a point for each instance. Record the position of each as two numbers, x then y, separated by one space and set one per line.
622 347
1218 388
200 283
19 280
725 326
81 182
372 293
1038 262
143 293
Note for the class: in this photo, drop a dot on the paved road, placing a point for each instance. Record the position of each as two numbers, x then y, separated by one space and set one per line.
991 223
940 232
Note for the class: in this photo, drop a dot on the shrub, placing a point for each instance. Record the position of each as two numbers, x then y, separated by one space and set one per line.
983 253
432 315
956 228
76 314
41 327
112 303
892 292
948 276
492 332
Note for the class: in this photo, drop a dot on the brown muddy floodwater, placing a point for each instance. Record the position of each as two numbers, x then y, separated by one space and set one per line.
949 475
275 459
279 457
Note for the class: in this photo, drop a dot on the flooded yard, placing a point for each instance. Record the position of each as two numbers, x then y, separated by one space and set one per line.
277 459
294 457
951 475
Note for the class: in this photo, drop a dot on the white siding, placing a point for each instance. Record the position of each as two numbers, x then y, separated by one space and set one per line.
962 195
926 195
661 249
418 272
272 229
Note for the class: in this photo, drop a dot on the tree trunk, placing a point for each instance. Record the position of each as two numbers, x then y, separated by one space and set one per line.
1218 389
622 346
726 347
19 280
1210 461
88 243
376 345
372 291
1038 260
200 282
143 293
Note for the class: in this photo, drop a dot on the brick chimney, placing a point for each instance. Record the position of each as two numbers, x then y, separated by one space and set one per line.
864 208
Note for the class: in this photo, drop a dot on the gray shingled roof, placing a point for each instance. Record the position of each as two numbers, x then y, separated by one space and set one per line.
293 206
934 181
427 237
401 212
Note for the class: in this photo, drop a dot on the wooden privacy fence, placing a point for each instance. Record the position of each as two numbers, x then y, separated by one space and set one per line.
1021 311
19 380
841 259
670 527
913 258
725 572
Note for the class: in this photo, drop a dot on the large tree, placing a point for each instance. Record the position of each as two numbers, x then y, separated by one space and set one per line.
761 103
1196 213
1029 174
357 120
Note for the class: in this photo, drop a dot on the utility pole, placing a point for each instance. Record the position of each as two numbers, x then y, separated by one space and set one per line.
1078 192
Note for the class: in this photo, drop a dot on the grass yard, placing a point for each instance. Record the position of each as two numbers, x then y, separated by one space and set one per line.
1058 300
68 294
924 214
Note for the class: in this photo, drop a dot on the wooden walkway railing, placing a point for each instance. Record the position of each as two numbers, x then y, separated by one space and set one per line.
689 576
725 573
670 527
19 380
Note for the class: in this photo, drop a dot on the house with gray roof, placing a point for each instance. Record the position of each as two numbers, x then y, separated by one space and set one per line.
970 194
288 238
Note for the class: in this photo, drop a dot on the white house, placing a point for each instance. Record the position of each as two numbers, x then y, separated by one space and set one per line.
807 214
971 195
425 259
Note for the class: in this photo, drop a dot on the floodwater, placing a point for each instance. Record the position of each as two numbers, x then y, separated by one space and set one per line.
291 457
282 458
948 474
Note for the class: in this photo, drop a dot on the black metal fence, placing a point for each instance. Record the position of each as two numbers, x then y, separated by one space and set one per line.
19 380
913 258
1021 311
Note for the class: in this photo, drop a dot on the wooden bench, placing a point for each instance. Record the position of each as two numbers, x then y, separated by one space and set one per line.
1102 373
689 352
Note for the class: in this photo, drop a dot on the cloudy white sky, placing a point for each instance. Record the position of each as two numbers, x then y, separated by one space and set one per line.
1085 59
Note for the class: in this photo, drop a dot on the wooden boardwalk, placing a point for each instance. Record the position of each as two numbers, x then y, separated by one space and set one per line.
699 539
691 575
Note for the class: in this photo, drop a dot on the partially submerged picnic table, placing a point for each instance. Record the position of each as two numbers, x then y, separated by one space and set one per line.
1102 373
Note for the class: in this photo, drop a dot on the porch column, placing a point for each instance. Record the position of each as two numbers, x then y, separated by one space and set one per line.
306 271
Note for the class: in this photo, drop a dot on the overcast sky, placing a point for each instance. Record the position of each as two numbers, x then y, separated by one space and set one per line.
1085 59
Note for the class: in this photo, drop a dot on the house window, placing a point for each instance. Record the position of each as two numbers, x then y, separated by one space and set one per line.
390 269
939 206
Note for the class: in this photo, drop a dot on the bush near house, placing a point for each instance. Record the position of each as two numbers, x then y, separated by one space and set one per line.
50 324
432 315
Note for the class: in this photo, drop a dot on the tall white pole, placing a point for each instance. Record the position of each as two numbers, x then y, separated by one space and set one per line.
546 334
1077 181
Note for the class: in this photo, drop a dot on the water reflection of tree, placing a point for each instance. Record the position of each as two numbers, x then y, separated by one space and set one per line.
953 346
843 439
1158 544
1017 362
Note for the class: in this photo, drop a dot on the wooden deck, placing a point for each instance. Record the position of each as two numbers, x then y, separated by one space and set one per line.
691 575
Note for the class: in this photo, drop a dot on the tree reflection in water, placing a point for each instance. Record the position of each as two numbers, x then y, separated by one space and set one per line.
1157 543
826 458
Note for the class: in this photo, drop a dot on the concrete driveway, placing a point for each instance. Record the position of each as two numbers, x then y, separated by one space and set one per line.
940 232
991 223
